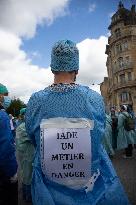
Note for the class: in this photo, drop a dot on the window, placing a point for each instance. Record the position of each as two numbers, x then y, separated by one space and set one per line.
120 62
125 96
114 66
129 76
117 80
121 47
118 48
114 18
117 32
125 45
122 78
127 59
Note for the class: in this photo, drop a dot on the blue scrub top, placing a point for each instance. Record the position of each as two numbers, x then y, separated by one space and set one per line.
8 163
73 101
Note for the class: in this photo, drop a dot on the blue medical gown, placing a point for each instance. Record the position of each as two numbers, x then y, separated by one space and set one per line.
107 139
8 164
124 137
72 102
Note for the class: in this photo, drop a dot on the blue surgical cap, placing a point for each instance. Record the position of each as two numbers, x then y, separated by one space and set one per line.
65 56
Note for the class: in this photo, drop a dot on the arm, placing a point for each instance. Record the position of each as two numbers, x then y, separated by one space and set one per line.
8 163
32 113
97 108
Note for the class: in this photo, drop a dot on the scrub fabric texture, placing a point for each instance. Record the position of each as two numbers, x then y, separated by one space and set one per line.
73 101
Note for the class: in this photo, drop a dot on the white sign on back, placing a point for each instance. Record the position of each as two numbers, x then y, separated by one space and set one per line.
66 155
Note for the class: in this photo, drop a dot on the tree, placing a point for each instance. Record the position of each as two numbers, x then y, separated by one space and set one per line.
15 107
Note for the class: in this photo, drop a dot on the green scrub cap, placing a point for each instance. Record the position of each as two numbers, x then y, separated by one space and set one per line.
3 89
22 111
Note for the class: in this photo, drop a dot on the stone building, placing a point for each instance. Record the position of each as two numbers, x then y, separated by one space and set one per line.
120 85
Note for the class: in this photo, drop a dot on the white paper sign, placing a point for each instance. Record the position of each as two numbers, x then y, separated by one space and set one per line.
66 155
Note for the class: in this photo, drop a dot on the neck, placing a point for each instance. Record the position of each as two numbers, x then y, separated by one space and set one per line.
65 79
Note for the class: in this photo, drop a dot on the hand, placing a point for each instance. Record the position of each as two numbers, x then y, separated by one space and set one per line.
13 179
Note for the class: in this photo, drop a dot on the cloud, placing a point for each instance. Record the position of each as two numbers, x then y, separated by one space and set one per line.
16 69
22 16
19 19
92 61
34 55
92 7
111 14
22 78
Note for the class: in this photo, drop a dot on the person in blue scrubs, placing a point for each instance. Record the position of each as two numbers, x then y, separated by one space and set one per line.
25 152
125 138
8 163
107 139
62 105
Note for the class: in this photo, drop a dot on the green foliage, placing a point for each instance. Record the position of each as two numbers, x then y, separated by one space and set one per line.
15 107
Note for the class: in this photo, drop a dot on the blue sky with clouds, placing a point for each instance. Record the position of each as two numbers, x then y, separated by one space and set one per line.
83 19
28 30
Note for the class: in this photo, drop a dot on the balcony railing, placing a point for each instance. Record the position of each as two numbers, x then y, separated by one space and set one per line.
122 67
124 85
113 38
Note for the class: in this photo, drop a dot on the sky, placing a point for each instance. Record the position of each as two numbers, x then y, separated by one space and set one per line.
29 29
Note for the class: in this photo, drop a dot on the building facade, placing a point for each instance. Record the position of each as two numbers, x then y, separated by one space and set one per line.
119 87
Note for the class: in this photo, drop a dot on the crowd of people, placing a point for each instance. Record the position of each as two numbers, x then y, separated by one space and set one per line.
16 154
56 147
120 131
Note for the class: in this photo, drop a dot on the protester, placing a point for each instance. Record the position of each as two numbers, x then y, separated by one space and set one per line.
107 139
131 112
70 166
19 120
25 153
114 117
8 164
125 139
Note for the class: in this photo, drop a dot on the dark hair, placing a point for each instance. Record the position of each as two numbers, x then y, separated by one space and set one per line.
129 108
58 72
122 107
1 107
